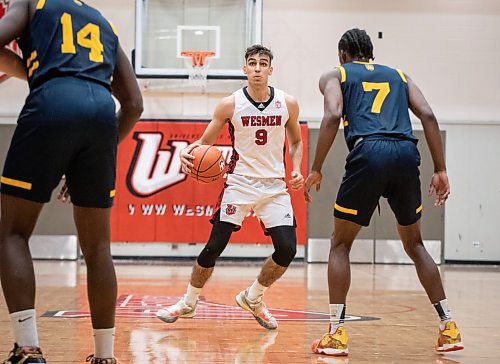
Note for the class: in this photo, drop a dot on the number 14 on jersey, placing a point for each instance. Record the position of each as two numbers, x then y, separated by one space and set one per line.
88 37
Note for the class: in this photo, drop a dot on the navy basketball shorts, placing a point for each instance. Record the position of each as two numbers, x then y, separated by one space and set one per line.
381 167
67 127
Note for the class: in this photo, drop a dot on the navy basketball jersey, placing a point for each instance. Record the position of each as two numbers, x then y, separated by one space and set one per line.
375 102
69 38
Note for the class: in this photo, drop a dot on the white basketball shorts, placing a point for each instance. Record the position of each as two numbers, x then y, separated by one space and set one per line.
267 197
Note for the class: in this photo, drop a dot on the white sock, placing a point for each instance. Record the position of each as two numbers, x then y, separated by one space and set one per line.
337 313
104 343
443 312
256 290
24 327
192 294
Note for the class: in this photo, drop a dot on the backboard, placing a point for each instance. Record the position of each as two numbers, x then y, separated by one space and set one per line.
168 30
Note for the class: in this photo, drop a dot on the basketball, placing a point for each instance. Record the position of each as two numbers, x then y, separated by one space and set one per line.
314 345
208 163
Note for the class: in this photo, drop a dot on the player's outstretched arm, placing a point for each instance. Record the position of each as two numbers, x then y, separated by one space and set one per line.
329 85
128 94
12 64
14 22
295 144
422 110
222 114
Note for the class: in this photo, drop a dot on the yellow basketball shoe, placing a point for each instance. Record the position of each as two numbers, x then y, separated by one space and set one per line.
93 360
24 354
449 339
332 344
258 309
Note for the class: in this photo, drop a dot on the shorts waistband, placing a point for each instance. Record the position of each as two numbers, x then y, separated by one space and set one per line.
256 178
381 137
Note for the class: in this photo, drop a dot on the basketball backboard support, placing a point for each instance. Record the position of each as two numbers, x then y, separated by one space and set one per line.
167 30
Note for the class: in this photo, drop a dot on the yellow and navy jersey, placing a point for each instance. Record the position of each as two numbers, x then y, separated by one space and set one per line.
375 102
69 38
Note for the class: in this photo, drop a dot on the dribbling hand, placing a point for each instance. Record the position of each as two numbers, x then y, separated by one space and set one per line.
440 187
187 158
297 180
314 178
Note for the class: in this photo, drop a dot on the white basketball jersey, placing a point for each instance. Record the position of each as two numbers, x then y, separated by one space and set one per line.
257 131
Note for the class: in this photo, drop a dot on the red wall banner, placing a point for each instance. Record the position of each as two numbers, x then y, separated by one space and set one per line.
156 202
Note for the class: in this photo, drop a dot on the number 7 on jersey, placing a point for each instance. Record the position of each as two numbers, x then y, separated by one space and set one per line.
382 89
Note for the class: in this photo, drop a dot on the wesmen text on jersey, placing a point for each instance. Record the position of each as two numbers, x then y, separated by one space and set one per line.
258 135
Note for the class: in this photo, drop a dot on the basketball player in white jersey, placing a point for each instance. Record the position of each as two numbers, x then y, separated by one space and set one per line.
259 117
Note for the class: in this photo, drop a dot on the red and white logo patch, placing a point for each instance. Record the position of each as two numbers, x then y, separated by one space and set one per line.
230 209
277 104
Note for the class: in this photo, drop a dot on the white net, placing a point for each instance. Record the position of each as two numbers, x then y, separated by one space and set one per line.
197 64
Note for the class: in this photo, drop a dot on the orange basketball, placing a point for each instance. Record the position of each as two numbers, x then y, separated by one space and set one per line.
208 163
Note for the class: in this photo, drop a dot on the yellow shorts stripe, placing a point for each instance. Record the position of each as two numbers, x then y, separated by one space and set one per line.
15 183
418 209
345 210
112 193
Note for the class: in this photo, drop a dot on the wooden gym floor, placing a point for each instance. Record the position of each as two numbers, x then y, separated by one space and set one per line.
405 331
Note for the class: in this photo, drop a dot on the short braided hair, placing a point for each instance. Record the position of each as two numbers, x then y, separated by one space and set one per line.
357 43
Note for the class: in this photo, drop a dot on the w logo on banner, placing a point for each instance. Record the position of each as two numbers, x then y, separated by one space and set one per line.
4 5
154 169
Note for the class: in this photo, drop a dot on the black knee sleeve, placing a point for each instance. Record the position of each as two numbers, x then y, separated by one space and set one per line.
285 244
219 237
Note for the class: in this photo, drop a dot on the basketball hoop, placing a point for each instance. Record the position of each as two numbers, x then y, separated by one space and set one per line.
197 63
